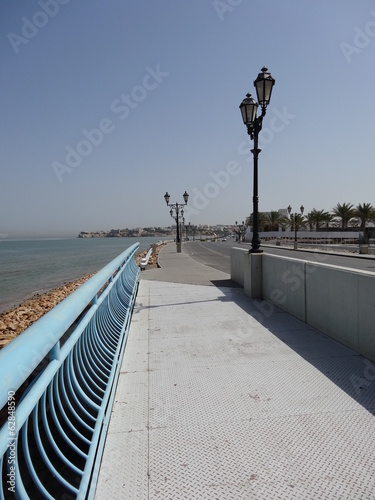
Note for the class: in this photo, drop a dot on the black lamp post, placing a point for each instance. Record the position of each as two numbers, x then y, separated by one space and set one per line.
175 211
182 228
241 229
263 85
302 208
192 228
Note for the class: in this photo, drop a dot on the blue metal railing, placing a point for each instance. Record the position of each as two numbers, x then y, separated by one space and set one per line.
53 435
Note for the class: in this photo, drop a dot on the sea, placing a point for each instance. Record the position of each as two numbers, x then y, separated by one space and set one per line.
30 266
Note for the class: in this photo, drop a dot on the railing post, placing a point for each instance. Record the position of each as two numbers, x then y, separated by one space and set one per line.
54 353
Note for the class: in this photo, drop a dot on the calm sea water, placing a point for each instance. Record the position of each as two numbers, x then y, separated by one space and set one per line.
37 265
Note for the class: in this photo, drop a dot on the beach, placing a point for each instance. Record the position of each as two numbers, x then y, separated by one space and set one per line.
15 320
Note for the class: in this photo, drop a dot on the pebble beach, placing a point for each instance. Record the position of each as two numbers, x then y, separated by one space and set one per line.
15 320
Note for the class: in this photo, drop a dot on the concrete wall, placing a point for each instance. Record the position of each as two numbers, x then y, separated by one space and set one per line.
238 262
341 303
338 301
306 234
284 285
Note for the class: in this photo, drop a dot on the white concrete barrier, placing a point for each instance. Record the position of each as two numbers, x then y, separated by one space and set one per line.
341 303
238 262
338 301
284 284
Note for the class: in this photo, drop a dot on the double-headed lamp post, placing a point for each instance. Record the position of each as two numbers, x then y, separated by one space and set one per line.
302 208
192 228
241 228
263 85
175 211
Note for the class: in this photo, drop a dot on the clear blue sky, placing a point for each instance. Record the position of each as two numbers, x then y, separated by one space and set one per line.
162 81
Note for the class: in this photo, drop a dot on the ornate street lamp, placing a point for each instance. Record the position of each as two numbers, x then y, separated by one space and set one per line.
175 211
241 229
263 86
187 227
192 228
302 208
182 225
238 233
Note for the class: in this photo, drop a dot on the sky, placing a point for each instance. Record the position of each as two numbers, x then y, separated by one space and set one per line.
107 104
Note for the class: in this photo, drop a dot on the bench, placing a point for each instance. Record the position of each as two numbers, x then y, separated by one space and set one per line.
144 260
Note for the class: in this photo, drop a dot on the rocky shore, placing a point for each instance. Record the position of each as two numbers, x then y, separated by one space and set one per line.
14 321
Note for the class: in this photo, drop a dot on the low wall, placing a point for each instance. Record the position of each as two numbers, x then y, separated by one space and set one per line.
283 284
337 301
238 262
310 235
340 302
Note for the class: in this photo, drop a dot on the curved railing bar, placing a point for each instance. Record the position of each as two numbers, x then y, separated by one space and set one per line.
102 365
102 371
81 379
49 329
74 391
87 380
60 429
30 467
103 417
106 356
75 399
44 455
52 441
91 399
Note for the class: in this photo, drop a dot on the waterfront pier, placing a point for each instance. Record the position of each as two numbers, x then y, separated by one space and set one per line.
225 397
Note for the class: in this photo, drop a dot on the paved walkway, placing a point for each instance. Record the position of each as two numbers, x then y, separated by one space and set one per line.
181 268
223 397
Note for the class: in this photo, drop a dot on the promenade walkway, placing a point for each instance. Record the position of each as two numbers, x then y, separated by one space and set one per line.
224 397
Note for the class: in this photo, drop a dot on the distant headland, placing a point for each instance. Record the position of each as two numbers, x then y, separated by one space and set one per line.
126 233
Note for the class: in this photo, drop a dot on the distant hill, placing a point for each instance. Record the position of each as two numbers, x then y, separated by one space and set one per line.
126 233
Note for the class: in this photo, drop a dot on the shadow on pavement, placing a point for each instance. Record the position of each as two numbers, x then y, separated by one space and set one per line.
347 369
228 283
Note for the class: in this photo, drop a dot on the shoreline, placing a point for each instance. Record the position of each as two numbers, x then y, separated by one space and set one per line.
17 318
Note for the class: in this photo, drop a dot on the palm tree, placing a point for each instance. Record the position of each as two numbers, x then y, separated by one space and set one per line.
317 218
345 212
284 222
262 220
365 213
273 220
300 221
296 220
310 221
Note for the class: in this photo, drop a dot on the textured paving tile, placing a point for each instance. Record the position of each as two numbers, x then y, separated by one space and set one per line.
221 398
